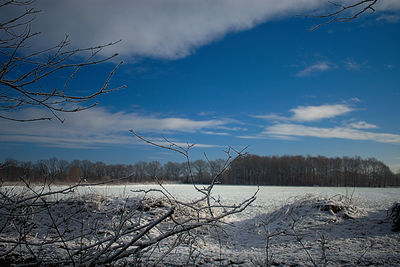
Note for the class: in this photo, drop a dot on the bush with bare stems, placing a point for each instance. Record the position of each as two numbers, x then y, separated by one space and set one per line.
47 225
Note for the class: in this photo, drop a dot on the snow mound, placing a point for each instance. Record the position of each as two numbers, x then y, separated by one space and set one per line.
315 230
311 211
308 230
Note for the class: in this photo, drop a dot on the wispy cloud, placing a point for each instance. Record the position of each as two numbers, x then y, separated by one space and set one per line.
388 5
310 113
272 117
351 64
291 127
270 136
315 68
291 130
315 113
215 133
207 113
389 66
362 125
97 126
390 18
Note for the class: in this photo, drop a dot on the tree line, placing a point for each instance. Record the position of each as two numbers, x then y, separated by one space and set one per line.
310 171
245 170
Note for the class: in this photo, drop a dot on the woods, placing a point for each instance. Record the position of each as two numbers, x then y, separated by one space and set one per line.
247 170
309 171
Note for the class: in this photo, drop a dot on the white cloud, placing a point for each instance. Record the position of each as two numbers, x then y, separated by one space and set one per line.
162 29
362 125
263 136
388 5
96 127
272 117
315 68
207 113
355 99
310 113
215 133
251 137
389 66
285 128
153 28
391 18
314 113
335 132
351 64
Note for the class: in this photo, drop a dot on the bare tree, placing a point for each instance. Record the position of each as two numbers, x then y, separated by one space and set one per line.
201 169
172 170
153 169
23 69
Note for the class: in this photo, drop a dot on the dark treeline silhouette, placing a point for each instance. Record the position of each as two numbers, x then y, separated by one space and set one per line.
246 170
309 171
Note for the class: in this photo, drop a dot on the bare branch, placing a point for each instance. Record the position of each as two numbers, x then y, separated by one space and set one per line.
22 69
343 13
79 230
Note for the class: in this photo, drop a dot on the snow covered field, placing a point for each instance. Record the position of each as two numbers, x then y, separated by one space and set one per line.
359 234
284 226
268 196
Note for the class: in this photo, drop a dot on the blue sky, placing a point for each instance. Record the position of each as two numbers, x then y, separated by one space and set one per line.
218 74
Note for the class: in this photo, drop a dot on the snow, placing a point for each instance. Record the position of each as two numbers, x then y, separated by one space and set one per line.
352 236
285 226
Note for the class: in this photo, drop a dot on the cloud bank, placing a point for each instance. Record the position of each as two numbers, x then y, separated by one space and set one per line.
289 128
98 127
166 29
152 28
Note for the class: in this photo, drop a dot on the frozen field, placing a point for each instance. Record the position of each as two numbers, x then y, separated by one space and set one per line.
358 235
268 197
284 226
370 197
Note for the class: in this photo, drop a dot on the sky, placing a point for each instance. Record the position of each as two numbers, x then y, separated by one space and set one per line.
219 74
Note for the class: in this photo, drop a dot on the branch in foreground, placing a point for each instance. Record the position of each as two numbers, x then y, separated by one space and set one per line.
77 227
23 71
343 13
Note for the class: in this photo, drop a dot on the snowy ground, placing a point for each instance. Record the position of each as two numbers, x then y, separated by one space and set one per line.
284 227
315 231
